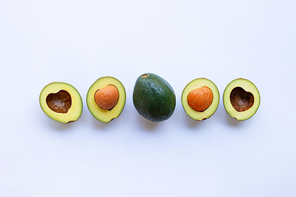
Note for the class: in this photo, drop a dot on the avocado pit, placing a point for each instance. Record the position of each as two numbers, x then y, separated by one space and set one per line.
241 100
59 102
200 99
107 97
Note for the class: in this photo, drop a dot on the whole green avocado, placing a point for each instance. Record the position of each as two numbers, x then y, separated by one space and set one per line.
153 97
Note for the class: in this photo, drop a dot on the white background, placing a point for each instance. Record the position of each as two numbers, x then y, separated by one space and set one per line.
79 41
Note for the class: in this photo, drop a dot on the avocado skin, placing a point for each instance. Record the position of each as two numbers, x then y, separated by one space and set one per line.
154 98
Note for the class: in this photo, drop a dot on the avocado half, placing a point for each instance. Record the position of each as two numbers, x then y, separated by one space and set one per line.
105 115
61 102
241 99
153 97
211 109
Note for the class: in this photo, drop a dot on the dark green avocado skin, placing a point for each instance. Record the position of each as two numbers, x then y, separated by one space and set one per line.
154 98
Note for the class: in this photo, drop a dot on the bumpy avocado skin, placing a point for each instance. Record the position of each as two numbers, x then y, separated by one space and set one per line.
154 98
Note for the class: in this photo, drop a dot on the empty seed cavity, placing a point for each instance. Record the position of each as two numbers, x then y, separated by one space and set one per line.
241 100
59 102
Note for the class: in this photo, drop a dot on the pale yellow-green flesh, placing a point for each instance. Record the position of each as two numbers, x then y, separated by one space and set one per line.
100 114
248 87
75 110
198 83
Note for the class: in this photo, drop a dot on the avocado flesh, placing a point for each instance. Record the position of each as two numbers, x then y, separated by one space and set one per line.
241 99
198 83
61 102
105 115
153 97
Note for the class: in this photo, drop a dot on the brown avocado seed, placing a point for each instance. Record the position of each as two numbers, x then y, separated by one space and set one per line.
200 99
59 102
241 100
107 97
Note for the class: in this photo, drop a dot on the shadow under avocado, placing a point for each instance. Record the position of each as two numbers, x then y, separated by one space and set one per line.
147 124
100 125
57 126
191 123
232 121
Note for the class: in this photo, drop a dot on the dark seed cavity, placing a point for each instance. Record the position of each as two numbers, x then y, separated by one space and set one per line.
59 102
241 100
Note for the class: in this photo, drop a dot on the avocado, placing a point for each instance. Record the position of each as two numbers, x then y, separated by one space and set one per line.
241 99
153 97
61 102
106 98
200 98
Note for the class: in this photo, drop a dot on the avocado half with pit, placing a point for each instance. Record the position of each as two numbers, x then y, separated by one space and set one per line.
106 98
61 102
153 97
241 99
200 98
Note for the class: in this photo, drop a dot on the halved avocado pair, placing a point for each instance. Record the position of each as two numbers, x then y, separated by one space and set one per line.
200 99
62 102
